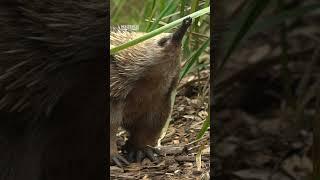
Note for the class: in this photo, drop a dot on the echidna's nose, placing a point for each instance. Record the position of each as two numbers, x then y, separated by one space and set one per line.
178 35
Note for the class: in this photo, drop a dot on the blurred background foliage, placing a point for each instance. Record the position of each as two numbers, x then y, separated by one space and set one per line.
267 69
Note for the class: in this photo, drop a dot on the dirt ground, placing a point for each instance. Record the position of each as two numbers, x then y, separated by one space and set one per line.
177 159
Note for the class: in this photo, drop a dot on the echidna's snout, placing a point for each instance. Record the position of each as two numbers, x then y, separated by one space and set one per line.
178 35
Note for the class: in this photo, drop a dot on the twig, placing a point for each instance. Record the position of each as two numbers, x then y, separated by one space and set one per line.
191 82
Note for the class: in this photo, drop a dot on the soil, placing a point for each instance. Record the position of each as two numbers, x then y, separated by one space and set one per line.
178 157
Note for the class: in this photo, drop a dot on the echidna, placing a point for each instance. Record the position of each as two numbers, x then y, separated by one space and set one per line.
141 82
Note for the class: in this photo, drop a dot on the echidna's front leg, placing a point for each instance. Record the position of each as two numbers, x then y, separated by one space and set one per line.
144 132
137 152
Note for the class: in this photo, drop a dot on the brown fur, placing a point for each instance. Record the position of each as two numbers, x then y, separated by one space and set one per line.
142 79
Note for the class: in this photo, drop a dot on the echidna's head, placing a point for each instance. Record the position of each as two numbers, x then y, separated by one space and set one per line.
172 41
162 48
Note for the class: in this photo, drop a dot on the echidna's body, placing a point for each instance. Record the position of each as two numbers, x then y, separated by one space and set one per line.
52 89
142 80
147 62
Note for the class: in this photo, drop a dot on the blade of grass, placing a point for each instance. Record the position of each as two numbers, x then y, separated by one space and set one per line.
118 9
171 6
179 12
182 6
158 31
114 5
198 157
205 126
240 27
153 11
193 59
185 46
202 18
194 5
195 28
166 125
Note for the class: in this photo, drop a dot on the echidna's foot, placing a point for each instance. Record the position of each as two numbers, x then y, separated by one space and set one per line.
119 160
138 154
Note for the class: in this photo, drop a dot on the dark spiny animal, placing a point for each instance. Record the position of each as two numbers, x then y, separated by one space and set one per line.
141 82
52 89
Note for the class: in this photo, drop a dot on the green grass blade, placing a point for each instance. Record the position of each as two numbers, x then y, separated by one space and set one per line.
117 11
153 11
171 6
185 46
193 58
158 31
205 126
194 5
182 7
241 26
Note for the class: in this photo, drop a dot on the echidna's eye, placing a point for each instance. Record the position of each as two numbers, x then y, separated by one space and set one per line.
163 41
